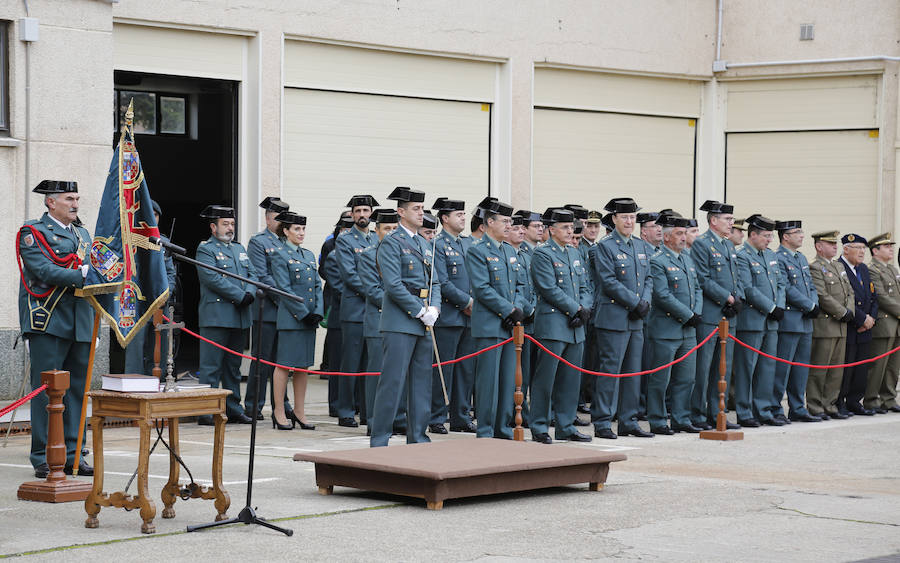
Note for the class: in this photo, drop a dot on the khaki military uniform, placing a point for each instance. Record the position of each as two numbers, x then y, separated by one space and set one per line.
881 389
829 334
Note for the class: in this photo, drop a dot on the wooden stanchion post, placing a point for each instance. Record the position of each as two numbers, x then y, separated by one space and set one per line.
56 488
721 432
519 396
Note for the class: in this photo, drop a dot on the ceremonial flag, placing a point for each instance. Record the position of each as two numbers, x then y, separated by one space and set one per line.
127 280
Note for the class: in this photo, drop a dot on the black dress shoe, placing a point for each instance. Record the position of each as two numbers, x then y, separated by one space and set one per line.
748 423
584 409
782 418
349 422
772 422
605 433
806 417
895 408
862 411
83 469
579 422
703 425
732 426
205 420
663 430
42 470
636 432
437 429
879 410
577 437
332 414
840 415
690 429
399 430
240 418
259 415
471 428
542 438
642 416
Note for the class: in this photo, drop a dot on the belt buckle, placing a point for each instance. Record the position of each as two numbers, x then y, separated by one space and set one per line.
423 293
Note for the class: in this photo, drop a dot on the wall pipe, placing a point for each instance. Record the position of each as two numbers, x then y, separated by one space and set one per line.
27 122
813 61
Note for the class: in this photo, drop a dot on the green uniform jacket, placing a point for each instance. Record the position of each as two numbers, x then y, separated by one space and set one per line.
560 281
716 263
621 281
260 249
220 295
347 249
677 295
405 265
60 314
887 288
374 291
497 286
800 295
295 271
450 268
759 277
835 297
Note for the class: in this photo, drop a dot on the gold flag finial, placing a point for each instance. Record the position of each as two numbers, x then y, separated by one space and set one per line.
129 114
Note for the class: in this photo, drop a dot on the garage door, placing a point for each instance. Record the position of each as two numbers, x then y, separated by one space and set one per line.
828 179
338 144
591 157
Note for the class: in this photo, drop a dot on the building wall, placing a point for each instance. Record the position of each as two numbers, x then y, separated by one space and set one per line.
675 40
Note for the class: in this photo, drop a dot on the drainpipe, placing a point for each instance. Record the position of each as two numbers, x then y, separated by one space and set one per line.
28 32
727 65
718 63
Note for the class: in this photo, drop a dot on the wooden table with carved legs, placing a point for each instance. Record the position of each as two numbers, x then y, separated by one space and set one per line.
145 408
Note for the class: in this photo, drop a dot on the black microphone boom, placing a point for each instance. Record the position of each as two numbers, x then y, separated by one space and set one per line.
167 244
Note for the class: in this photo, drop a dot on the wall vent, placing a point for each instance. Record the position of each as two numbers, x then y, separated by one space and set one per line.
807 32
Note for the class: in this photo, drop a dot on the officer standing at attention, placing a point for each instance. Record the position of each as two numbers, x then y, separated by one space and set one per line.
829 329
260 248
224 310
881 390
651 234
859 332
621 269
353 306
498 290
563 308
674 316
651 230
334 335
452 330
590 238
763 287
385 222
411 305
56 323
532 228
795 330
716 262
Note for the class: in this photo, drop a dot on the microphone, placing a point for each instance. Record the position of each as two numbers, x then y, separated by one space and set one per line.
167 244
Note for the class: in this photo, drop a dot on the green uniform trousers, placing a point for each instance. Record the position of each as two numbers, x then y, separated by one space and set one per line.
559 383
824 386
495 379
678 379
881 388
218 366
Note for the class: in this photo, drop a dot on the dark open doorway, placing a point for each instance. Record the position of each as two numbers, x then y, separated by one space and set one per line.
186 134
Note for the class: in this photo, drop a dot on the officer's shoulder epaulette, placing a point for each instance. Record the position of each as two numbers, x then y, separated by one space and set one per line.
31 222
204 242
606 237
657 253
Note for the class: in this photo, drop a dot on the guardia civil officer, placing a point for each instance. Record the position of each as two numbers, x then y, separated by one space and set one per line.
621 269
674 316
331 273
651 234
532 227
716 262
651 231
476 225
452 330
56 323
859 331
260 248
580 214
881 389
586 231
353 306
385 222
294 271
763 287
829 340
795 330
411 304
499 303
563 308
224 309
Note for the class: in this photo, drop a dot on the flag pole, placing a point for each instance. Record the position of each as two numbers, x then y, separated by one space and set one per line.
87 387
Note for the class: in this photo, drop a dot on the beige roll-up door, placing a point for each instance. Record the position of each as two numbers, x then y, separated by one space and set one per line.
828 179
178 52
591 157
339 144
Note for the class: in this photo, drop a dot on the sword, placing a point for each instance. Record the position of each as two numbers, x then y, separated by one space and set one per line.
437 355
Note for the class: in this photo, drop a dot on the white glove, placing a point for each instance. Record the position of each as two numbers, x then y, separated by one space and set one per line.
84 270
421 312
430 316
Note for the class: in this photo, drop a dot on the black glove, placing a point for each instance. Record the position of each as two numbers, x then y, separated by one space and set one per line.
529 319
312 319
777 314
247 300
738 305
729 311
507 323
693 321
517 315
585 315
639 311
848 316
575 321
812 313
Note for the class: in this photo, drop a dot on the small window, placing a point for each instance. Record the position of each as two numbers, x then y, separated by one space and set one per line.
173 115
144 110
4 78
155 113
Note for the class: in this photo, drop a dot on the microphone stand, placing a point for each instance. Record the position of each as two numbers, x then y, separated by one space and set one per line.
247 515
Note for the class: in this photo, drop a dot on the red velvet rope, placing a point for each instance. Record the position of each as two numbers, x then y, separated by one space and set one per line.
645 372
22 401
813 366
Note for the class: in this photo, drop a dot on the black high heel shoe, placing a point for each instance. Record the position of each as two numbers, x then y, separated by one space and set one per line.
303 425
278 425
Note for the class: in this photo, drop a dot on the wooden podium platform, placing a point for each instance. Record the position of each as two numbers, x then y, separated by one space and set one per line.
460 468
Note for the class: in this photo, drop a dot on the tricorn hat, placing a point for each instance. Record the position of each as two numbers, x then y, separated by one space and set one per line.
274 204
647 217
403 194
781 226
429 221
359 200
673 221
385 216
577 210
290 218
527 216
214 212
622 205
713 206
443 204
501 208
757 221
56 187
558 215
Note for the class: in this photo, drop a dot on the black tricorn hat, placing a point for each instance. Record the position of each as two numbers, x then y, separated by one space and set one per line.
290 218
622 205
545 217
673 221
788 225
486 202
713 206
56 187
647 217
345 222
445 204
359 200
214 212
579 211
156 208
429 221
274 204
527 216
607 222
757 221
500 208
517 220
404 194
692 222
558 215
579 226
385 216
